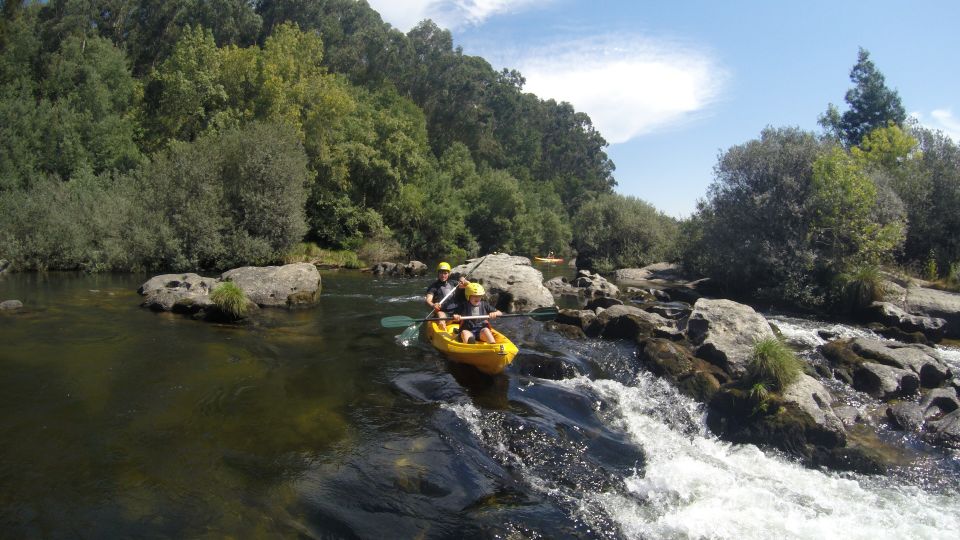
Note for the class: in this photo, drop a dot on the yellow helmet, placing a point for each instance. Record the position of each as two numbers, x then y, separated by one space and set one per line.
443 266
474 289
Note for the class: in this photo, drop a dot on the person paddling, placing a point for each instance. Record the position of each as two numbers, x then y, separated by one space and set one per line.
441 289
475 305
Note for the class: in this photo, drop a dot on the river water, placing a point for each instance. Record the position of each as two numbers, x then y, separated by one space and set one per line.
120 422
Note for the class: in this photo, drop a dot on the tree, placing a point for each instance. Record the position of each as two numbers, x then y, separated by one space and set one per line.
752 231
871 105
844 231
615 231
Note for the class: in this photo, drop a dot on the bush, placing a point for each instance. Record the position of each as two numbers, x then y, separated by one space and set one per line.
230 300
773 365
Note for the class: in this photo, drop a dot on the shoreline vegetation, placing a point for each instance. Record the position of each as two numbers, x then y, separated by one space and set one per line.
270 133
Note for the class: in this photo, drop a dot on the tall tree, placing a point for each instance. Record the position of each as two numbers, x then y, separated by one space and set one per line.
872 104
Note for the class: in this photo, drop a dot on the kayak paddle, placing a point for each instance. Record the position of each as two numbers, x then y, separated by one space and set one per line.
539 314
413 331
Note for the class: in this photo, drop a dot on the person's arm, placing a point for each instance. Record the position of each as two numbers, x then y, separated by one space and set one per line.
493 313
429 299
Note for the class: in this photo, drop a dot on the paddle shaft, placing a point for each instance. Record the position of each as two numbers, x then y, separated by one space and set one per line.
537 314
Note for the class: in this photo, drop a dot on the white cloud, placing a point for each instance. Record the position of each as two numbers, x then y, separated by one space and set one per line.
941 119
452 14
628 85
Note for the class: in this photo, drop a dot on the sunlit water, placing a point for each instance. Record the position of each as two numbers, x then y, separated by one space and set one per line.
120 422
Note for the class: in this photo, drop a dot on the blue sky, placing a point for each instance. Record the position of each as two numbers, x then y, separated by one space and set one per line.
673 84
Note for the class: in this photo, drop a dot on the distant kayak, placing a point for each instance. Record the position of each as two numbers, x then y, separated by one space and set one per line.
548 259
490 358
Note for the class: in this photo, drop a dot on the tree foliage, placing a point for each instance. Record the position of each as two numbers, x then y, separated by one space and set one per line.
615 231
871 104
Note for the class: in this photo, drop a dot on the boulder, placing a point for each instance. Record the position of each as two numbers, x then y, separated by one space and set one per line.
813 398
890 315
10 305
939 402
921 360
724 333
180 293
559 286
885 382
291 285
629 322
937 304
594 285
693 376
905 416
945 431
188 282
654 274
411 269
602 302
511 283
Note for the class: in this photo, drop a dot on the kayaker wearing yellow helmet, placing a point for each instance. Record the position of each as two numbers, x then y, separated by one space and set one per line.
440 289
475 305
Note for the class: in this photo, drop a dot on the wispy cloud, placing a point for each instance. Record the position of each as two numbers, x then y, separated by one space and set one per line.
941 119
629 85
452 14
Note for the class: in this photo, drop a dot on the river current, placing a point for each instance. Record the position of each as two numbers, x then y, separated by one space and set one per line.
120 422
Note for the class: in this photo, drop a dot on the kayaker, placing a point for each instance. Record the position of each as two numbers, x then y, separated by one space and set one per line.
475 305
440 289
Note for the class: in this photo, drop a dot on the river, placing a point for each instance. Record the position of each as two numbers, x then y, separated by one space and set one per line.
120 422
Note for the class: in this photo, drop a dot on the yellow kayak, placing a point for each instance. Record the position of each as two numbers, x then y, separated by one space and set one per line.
490 358
548 259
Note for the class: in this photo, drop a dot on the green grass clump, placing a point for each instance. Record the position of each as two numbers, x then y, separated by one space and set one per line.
773 365
230 299
311 253
861 287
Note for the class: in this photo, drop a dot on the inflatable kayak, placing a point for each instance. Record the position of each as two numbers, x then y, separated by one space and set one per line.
490 358
548 259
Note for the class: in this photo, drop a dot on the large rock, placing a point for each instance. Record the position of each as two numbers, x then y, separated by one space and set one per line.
291 285
945 431
629 322
814 399
10 305
724 333
891 315
411 269
885 382
693 376
921 360
651 275
511 283
938 304
181 293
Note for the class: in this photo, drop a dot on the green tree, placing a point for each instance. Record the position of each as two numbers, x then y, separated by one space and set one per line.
752 230
186 92
871 104
843 229
615 231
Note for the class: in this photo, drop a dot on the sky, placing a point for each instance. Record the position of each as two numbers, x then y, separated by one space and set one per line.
672 85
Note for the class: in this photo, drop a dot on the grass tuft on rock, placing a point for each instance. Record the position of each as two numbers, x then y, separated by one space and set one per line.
230 299
861 287
773 365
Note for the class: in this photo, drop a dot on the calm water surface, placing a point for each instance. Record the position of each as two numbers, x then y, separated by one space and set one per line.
120 422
